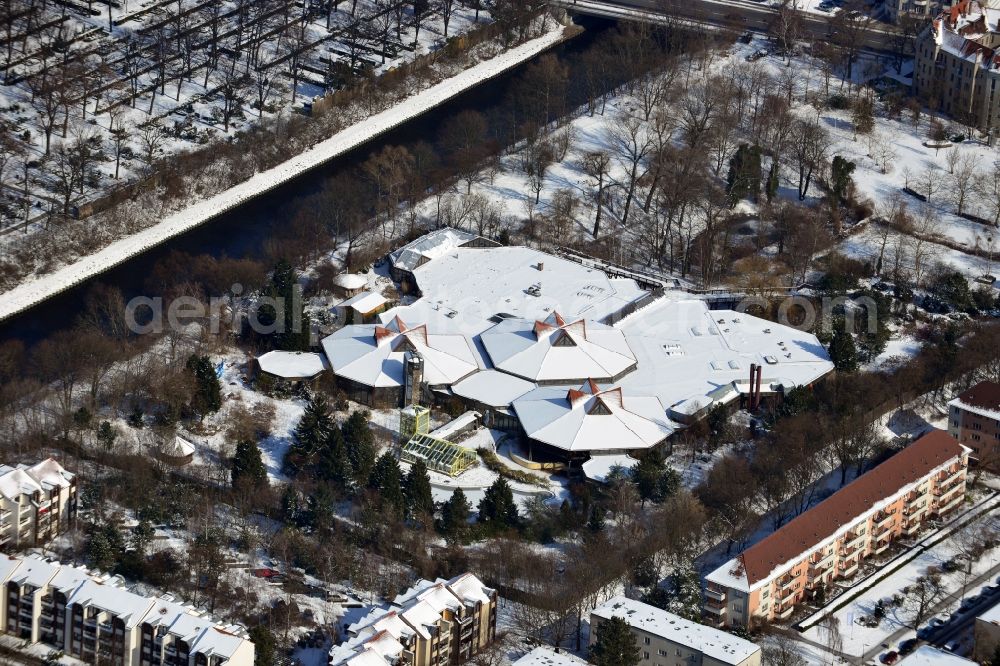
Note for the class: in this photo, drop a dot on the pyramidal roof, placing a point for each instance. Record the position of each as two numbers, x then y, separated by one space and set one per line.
590 418
555 350
373 354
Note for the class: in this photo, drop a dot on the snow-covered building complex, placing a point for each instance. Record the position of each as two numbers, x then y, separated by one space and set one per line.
828 542
431 624
37 502
94 618
580 363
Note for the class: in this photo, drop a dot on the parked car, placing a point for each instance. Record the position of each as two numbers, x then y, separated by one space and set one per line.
890 657
908 646
756 55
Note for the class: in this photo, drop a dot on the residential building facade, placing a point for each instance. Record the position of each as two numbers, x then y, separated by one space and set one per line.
666 639
431 624
37 502
974 420
892 501
956 65
94 618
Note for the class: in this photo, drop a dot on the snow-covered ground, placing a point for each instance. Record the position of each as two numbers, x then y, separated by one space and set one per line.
39 288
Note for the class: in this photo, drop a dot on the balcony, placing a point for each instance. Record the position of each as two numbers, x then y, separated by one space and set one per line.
713 593
846 552
883 519
715 607
882 546
951 504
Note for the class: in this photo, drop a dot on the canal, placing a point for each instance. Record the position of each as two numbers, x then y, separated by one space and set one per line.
244 231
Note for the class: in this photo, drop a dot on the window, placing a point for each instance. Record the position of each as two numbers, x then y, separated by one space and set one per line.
645 655
678 651
645 640
661 652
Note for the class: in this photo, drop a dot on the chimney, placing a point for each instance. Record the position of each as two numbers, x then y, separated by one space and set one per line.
760 370
753 372
413 377
541 265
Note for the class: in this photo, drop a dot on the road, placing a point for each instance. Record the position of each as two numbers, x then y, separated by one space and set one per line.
736 14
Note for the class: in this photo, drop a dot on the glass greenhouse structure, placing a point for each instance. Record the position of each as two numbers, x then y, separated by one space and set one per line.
439 455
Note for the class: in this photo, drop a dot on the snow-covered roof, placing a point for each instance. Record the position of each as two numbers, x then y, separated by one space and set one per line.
592 418
50 474
925 655
177 447
380 634
599 466
127 606
968 30
365 302
492 387
556 350
474 286
46 475
17 482
373 355
991 615
718 645
429 246
684 350
351 281
543 655
291 365
108 594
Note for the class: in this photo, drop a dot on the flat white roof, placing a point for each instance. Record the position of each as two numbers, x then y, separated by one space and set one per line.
470 285
992 614
599 466
925 655
685 350
365 302
291 365
714 643
492 387
546 656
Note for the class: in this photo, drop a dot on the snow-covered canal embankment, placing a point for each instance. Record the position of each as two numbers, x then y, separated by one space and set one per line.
38 289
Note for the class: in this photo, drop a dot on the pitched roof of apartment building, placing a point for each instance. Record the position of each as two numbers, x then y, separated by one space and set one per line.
968 30
983 398
203 634
718 645
378 638
838 512
29 479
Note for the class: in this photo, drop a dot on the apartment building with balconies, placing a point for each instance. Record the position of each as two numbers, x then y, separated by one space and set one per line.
956 65
666 639
37 502
974 420
893 501
94 618
433 623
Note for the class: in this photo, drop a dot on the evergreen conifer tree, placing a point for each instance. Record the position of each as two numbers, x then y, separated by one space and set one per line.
615 645
360 443
417 487
247 467
497 508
